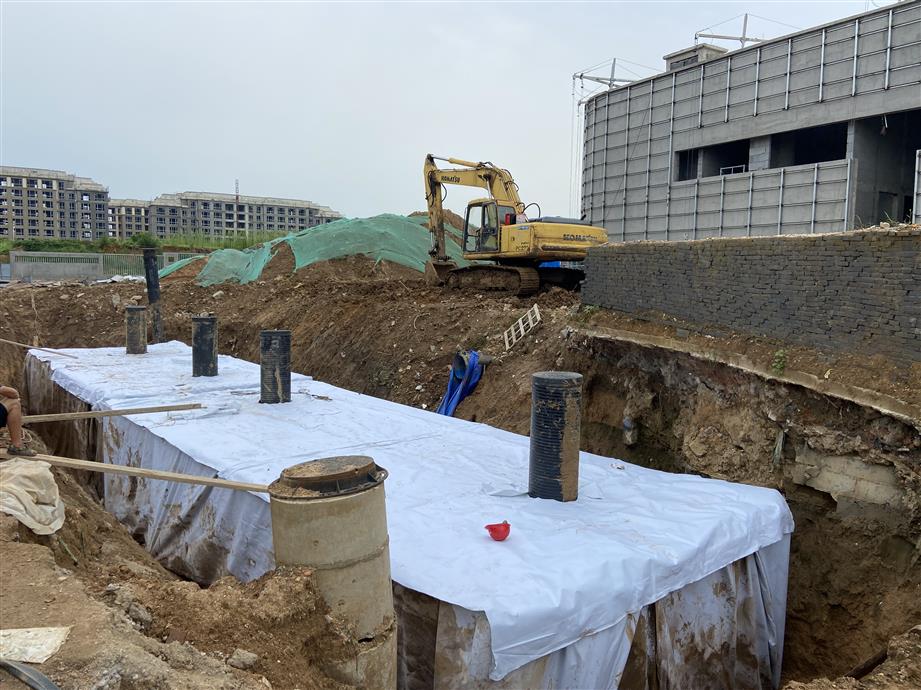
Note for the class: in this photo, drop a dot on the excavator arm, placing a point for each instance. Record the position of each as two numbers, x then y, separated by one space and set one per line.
497 181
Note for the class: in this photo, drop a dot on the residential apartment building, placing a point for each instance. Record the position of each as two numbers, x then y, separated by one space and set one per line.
37 203
816 131
127 217
230 214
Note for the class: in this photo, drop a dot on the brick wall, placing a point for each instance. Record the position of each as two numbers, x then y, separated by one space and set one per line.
856 291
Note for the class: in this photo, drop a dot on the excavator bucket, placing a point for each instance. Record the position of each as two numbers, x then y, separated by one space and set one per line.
436 272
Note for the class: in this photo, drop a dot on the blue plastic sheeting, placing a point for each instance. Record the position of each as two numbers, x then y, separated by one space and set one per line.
466 371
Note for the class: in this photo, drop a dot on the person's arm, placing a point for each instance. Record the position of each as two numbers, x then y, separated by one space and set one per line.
7 392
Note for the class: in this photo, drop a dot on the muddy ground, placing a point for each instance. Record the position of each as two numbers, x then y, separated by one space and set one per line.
855 579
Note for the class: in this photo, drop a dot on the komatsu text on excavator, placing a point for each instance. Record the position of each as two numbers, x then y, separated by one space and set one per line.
497 230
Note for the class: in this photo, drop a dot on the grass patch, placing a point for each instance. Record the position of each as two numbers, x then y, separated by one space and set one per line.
586 312
202 241
779 362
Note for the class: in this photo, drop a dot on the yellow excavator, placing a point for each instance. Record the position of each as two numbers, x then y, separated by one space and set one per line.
525 253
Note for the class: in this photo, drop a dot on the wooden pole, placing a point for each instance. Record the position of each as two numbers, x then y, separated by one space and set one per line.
94 414
75 464
33 347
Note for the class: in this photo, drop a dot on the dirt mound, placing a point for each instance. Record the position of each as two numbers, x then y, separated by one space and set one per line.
187 272
359 268
350 269
106 648
137 625
278 617
451 218
281 265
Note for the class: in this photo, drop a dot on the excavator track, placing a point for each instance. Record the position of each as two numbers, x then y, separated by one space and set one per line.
514 280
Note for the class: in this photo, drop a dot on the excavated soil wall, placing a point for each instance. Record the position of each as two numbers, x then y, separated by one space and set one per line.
851 476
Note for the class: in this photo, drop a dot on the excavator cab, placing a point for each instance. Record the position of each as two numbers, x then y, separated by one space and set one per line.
483 225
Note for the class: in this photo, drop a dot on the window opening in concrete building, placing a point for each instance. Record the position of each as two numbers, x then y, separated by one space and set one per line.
811 145
715 159
687 165
884 147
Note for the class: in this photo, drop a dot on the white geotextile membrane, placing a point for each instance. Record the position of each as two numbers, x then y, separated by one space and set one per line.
568 569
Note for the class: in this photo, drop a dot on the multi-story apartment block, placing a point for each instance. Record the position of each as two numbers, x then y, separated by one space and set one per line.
127 217
816 131
37 203
40 203
230 214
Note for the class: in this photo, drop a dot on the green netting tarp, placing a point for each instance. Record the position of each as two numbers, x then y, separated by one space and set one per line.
400 239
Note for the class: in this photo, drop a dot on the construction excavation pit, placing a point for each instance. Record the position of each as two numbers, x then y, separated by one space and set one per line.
288 487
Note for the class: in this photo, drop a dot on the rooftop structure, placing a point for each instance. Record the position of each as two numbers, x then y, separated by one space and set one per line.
692 56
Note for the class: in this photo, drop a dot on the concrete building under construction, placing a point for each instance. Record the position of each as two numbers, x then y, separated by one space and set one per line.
38 203
227 215
128 217
816 131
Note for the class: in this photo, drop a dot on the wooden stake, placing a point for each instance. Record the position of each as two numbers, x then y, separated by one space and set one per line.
32 347
75 464
94 414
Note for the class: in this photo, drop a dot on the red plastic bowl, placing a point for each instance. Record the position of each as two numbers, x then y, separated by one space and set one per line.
499 531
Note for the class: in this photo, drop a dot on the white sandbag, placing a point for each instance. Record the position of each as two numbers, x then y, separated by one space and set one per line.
29 493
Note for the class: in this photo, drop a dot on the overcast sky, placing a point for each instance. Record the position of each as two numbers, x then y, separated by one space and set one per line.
335 103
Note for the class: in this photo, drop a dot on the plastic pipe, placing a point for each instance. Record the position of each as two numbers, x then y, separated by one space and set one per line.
556 428
275 375
204 345
135 329
152 276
